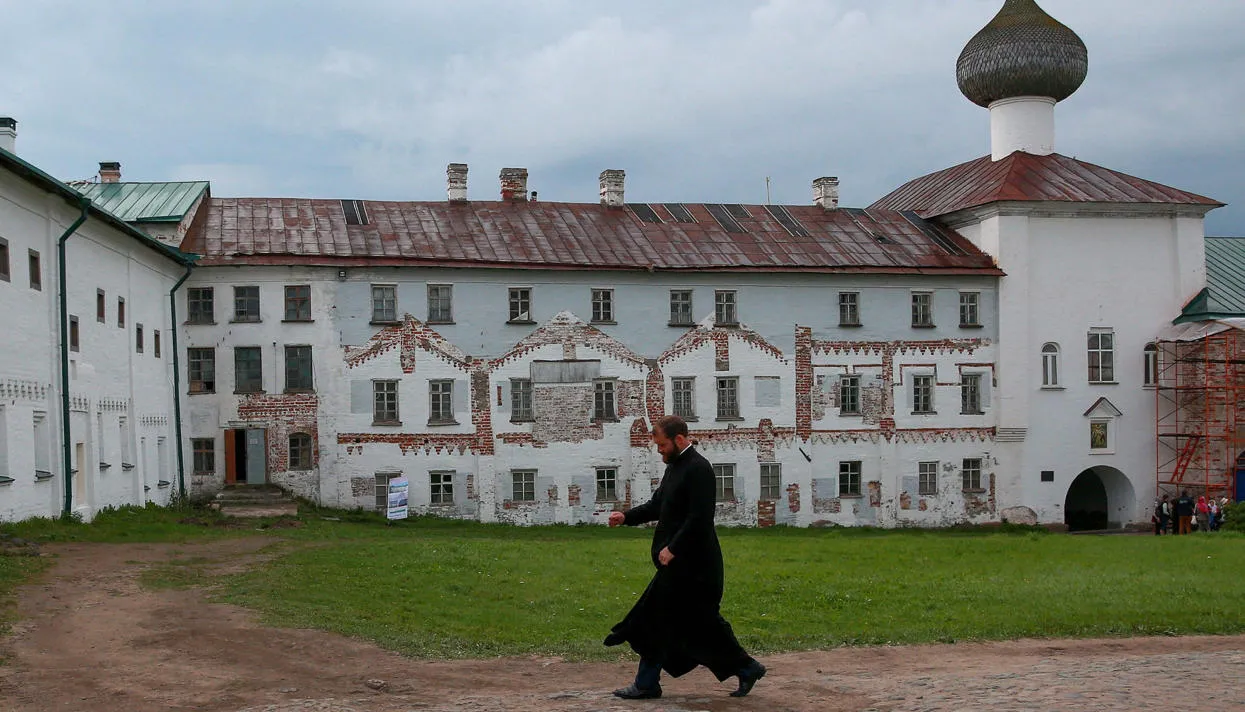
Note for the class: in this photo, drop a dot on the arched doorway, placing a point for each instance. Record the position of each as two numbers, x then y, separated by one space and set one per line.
1100 497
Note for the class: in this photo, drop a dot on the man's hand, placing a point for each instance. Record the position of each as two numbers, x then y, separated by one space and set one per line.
665 556
617 518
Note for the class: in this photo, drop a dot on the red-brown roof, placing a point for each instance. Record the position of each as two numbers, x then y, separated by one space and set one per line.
1026 177
575 236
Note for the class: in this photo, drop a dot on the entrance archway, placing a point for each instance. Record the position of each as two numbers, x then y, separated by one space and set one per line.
1101 497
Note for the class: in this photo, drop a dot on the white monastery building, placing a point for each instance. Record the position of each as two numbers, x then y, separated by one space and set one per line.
976 346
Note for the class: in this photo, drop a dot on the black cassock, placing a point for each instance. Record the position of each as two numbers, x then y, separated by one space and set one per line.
677 619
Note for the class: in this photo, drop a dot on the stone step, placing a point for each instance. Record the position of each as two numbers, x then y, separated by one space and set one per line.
254 511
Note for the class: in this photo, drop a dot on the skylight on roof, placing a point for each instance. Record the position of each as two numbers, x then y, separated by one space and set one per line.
355 212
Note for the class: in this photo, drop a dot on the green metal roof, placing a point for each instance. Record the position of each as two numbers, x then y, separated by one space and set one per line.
1224 295
37 176
145 202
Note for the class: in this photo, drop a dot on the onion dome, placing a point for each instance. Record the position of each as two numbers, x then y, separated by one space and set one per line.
1022 52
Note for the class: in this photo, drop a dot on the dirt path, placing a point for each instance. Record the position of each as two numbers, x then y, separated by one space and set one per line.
91 638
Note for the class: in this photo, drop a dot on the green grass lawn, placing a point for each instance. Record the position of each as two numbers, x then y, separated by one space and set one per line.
435 588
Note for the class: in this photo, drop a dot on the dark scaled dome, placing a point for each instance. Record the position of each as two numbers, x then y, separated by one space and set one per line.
1022 52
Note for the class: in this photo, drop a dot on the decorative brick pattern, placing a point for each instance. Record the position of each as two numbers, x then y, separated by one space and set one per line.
521 439
803 382
481 413
707 331
283 415
793 497
411 336
568 331
409 442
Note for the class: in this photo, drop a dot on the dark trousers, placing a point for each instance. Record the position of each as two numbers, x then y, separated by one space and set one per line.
649 674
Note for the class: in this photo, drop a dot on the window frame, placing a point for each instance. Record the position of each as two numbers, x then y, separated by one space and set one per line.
441 488
386 401
381 491
101 306
1050 365
727 387
35 269
923 383
197 298
849 309
75 335
612 478
138 338
770 481
1095 356
242 303
683 396
155 343
970 474
296 356
300 302
193 363
970 394
120 312
1150 366
927 478
523 486
257 371
517 299
306 450
604 400
441 401
723 473
849 384
203 455
923 310
970 302
387 312
681 308
440 304
603 306
521 401
850 478
725 307
6 269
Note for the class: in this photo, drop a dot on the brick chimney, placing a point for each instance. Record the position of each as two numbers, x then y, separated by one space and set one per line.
514 184
826 193
612 181
109 172
8 134
456 182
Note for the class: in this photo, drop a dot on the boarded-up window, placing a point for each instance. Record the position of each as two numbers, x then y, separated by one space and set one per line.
768 391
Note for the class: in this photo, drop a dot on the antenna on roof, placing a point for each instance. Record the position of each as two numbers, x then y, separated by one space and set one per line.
767 190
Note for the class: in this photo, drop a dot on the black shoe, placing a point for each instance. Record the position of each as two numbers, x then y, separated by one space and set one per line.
631 692
748 677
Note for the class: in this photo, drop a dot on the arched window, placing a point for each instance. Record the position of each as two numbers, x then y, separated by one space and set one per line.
300 451
1151 358
1050 365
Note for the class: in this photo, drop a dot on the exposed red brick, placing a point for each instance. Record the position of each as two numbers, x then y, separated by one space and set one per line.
521 439
410 442
640 435
793 497
803 382
411 336
573 493
765 513
875 494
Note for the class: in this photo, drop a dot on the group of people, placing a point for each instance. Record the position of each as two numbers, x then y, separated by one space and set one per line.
1185 515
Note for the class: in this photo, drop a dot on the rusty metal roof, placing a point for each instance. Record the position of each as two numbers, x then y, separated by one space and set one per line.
551 235
1026 177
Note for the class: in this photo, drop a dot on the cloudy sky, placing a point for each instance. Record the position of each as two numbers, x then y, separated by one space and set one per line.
698 100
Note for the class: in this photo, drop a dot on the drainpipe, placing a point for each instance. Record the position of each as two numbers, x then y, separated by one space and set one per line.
64 313
177 388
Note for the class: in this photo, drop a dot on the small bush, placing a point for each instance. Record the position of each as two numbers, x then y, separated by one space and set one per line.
1233 517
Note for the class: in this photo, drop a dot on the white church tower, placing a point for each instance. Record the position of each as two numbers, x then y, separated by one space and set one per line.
1097 263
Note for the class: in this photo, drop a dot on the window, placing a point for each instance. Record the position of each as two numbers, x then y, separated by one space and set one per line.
1150 358
603 305
849 308
969 311
246 304
201 370
603 401
101 309
728 397
36 271
384 304
521 399
200 306
73 334
680 307
43 446
248 369
1100 435
849 395
927 473
1101 353
205 455
520 304
440 304
970 393
4 259
724 477
771 480
382 489
724 312
120 312
300 452
298 372
441 401
155 343
683 395
354 212
922 309
607 484
849 478
1050 365
385 402
138 338
442 487
922 394
970 473
298 302
524 485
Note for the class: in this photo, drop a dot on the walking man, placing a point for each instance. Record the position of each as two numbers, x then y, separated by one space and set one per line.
1184 513
676 625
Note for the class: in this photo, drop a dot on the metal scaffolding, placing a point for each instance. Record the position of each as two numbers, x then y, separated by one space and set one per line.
1200 424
